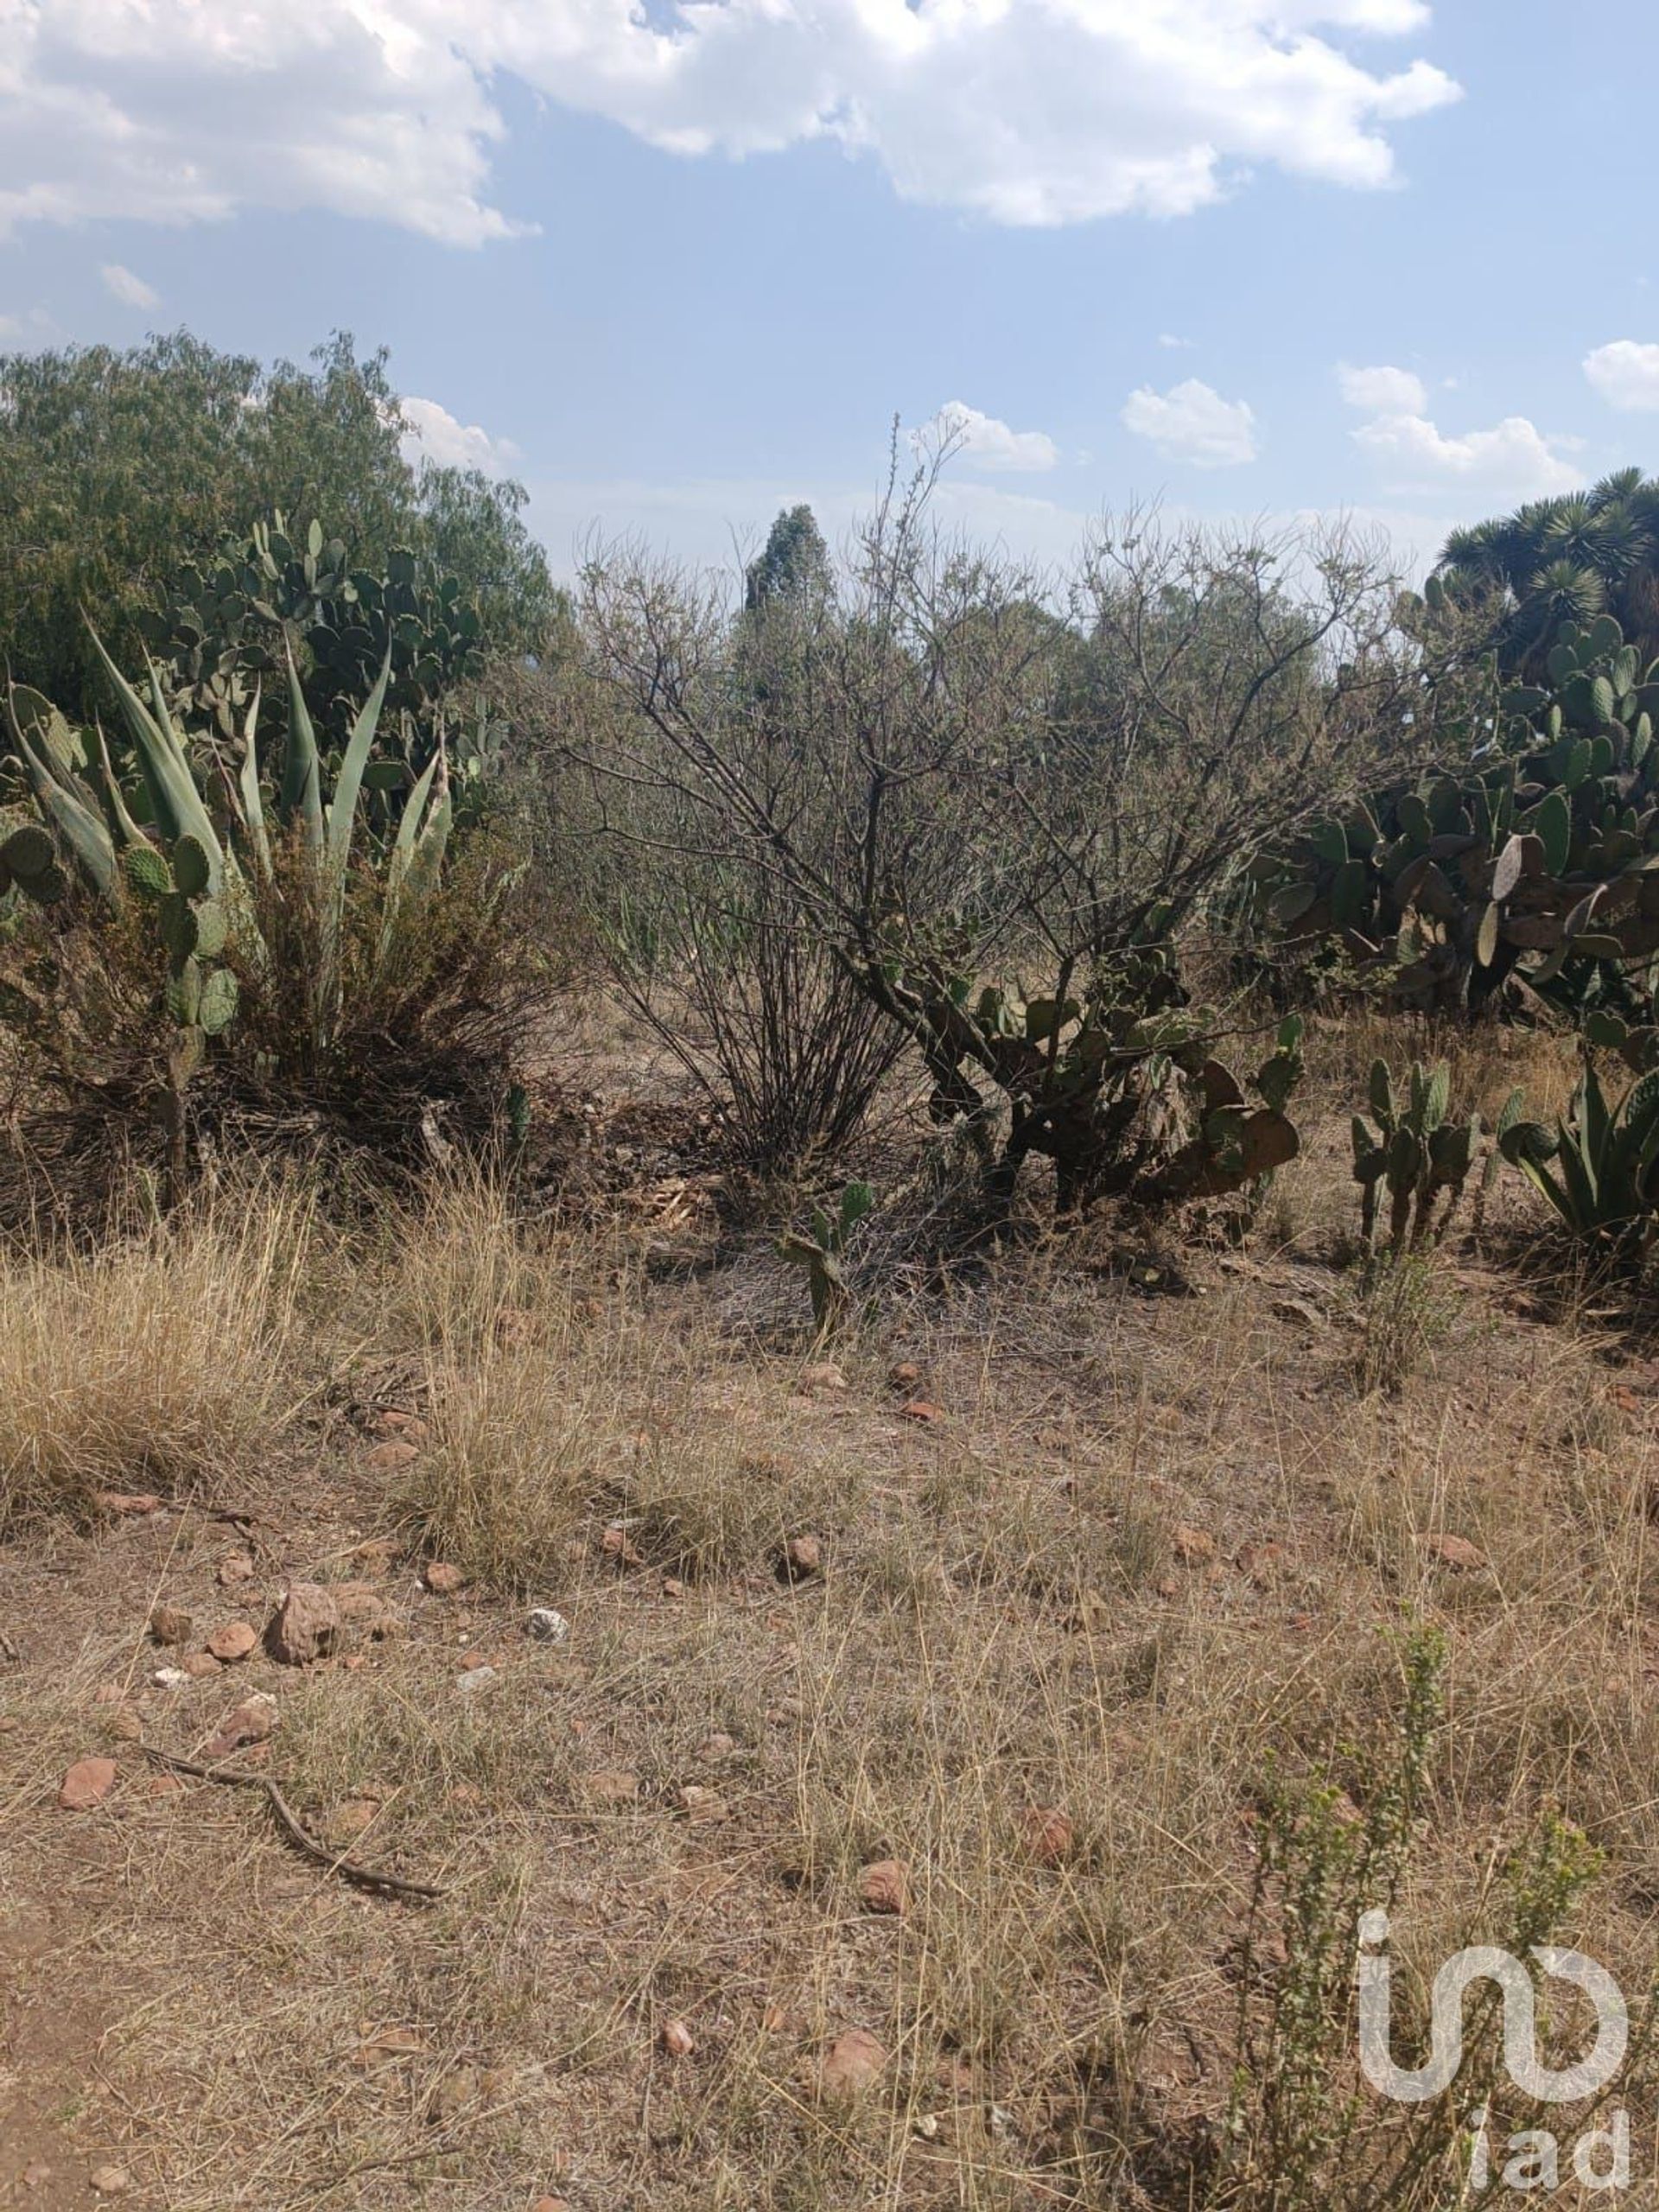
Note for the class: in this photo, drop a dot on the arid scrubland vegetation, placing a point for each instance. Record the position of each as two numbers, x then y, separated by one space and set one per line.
788 1373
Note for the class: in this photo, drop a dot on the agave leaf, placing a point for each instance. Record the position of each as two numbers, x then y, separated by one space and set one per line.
342 812
85 832
174 798
300 797
129 828
250 801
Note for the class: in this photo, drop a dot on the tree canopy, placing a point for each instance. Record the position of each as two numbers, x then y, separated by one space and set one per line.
1573 557
118 469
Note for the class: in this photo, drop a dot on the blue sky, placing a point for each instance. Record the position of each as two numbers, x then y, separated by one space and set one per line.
676 269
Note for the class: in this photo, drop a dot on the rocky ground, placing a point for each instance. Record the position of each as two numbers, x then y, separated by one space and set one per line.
722 1775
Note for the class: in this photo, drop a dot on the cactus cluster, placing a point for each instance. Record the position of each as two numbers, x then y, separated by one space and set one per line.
223 631
1418 1153
174 889
1117 1082
821 1255
1236 1145
1542 859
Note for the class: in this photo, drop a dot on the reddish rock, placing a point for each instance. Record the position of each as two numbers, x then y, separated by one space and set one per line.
233 1641
250 1722
1455 1552
884 1887
390 1457
199 1665
903 1375
87 1784
234 1567
1047 1833
305 1627
921 1409
610 1786
128 1501
853 2062
803 1559
442 1578
677 2039
1192 1547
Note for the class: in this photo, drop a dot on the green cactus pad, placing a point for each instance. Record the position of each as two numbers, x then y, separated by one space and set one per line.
219 1000
28 852
178 923
192 871
146 872
213 928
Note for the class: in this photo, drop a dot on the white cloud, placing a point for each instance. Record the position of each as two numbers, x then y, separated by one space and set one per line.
983 442
1192 424
1382 392
1513 462
1028 112
1626 374
131 290
1173 344
436 435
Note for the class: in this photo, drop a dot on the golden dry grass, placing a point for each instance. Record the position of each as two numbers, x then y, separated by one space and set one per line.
160 1360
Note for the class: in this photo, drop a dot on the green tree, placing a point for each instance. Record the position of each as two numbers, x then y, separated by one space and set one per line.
1581 555
117 469
794 564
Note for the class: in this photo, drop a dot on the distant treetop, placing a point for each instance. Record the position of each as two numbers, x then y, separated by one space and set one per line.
794 564
1581 555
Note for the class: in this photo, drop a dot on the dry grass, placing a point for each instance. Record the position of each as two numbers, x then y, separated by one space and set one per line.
160 1360
1157 1550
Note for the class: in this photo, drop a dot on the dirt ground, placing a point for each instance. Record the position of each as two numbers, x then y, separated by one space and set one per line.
1092 1551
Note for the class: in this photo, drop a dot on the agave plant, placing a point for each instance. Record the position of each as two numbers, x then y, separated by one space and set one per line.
224 858
1599 1167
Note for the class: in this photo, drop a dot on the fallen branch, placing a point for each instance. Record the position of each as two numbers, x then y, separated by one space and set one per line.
349 1870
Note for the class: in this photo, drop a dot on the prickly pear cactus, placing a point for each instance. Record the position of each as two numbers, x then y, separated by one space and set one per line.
29 862
191 929
821 1255
1417 1153
1238 1146
1541 863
